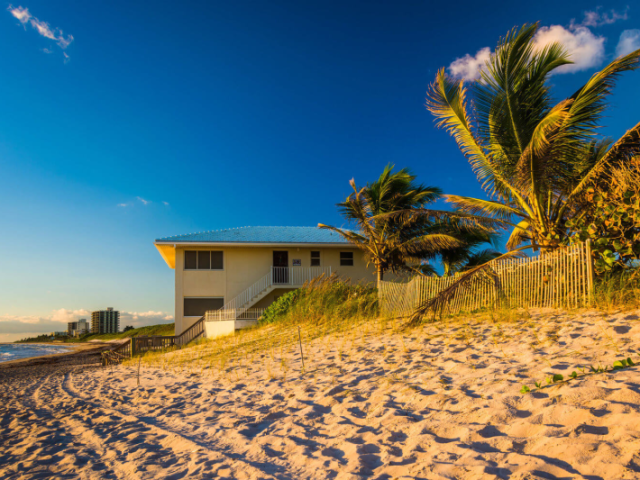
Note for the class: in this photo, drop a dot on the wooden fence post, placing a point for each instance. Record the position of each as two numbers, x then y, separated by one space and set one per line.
589 261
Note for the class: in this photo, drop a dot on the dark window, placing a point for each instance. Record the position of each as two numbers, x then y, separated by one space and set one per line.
346 259
204 260
190 260
315 259
195 307
216 261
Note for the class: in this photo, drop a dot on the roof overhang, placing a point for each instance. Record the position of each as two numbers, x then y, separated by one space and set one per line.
168 249
168 252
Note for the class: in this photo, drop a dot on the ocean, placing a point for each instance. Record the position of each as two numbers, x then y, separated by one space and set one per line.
25 350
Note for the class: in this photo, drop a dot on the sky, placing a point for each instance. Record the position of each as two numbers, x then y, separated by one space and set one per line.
123 122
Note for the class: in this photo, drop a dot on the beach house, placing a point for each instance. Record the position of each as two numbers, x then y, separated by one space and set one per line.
226 278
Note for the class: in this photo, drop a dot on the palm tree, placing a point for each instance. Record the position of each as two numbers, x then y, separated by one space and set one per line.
533 158
393 242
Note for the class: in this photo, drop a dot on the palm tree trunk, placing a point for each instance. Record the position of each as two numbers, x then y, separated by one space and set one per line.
380 274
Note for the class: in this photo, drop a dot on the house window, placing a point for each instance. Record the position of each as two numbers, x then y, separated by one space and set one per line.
315 259
190 260
346 259
216 261
196 306
202 260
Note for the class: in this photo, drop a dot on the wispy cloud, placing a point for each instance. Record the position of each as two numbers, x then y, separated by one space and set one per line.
629 42
144 202
585 49
166 203
597 18
23 15
124 204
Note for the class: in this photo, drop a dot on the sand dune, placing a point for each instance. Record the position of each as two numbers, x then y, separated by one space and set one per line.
440 402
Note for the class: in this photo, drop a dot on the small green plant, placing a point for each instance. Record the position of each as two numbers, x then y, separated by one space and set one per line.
556 378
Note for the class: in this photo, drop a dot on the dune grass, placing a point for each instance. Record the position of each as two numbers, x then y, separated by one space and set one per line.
332 317
618 290
328 308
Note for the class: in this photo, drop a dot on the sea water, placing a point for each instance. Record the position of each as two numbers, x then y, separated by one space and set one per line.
17 351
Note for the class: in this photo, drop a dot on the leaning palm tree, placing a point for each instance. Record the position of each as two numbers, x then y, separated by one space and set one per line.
534 158
393 242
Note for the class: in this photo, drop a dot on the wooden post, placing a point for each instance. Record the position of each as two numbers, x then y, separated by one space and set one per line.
589 260
300 343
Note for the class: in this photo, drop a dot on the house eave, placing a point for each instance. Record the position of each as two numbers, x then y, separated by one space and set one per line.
254 244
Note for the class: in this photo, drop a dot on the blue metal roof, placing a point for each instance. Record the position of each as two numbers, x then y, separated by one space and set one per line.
260 235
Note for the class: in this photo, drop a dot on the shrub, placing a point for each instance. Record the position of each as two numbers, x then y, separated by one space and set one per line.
611 219
280 307
326 298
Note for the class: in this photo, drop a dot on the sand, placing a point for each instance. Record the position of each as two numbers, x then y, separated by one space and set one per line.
439 402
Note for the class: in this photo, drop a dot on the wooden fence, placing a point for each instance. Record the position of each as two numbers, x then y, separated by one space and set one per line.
142 344
562 278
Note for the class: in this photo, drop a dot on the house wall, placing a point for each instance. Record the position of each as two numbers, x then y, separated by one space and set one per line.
243 266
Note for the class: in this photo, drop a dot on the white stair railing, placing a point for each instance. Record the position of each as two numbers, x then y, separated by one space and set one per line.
277 277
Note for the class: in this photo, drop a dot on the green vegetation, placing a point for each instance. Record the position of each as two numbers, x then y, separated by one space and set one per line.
280 307
558 378
535 158
390 233
162 329
611 219
324 299
617 289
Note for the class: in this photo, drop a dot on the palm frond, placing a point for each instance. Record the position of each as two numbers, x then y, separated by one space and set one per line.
519 235
589 102
478 207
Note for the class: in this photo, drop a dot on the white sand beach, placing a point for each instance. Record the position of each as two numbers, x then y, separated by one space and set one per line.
441 401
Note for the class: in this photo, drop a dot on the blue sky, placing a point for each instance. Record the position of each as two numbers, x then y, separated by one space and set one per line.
122 122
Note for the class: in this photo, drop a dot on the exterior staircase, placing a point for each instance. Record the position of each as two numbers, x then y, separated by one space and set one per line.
239 308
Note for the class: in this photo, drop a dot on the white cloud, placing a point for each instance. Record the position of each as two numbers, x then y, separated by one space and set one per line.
585 49
468 68
597 18
629 42
166 203
141 319
124 204
64 315
24 16
15 327
145 202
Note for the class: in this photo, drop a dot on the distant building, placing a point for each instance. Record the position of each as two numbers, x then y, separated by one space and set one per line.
58 334
105 321
75 329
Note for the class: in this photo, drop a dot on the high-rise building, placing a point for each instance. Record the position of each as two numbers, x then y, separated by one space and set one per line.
80 327
105 321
